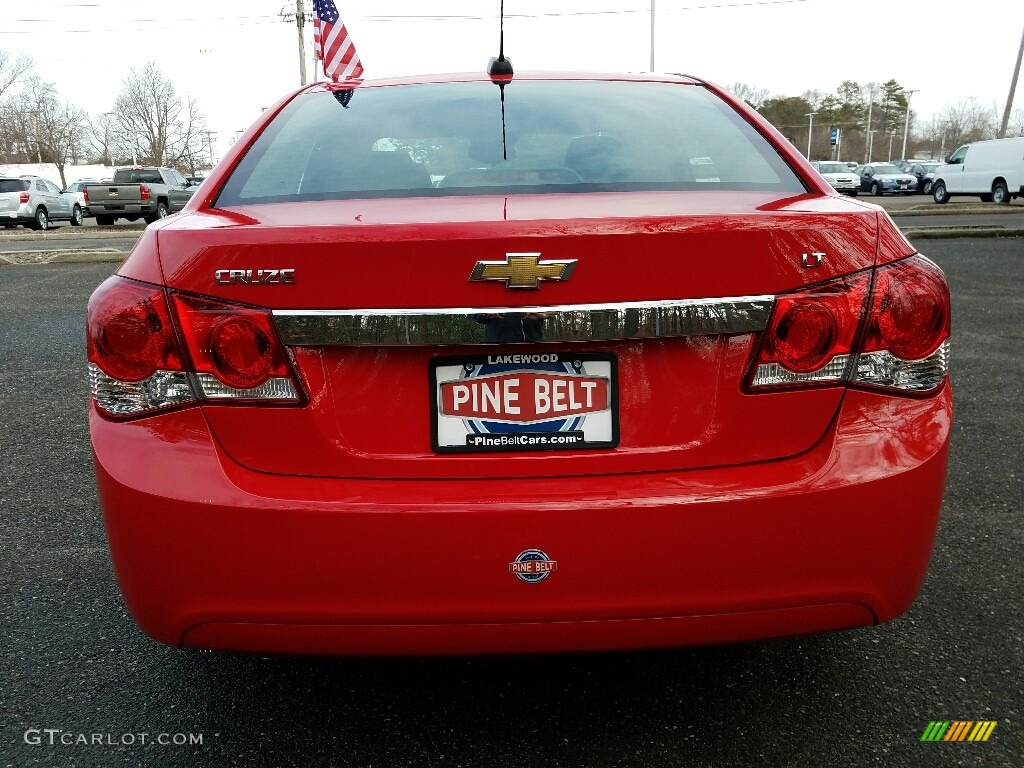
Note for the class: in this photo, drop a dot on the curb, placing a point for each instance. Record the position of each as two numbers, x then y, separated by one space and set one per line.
950 233
97 256
980 209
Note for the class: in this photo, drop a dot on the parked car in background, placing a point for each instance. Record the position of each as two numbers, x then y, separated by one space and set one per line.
884 178
924 172
839 176
35 202
139 192
992 170
77 188
630 374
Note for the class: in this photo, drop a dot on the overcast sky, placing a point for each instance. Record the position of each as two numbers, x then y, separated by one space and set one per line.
237 56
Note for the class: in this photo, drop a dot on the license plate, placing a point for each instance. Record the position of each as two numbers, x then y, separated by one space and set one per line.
545 401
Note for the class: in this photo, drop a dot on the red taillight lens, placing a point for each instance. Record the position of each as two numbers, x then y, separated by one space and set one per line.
85 194
803 338
144 192
129 331
23 198
910 314
242 353
238 345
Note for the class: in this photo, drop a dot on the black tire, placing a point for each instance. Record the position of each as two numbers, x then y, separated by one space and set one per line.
105 221
853 193
1000 193
876 189
939 193
162 212
986 198
76 216
41 221
927 188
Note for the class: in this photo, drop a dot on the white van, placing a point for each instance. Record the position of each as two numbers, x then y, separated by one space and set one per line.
993 170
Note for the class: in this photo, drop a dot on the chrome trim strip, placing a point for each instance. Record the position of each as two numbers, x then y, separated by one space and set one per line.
562 323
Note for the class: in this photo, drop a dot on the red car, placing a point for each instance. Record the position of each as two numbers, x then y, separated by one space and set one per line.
548 363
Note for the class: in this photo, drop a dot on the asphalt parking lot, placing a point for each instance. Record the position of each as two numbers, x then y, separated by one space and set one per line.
71 660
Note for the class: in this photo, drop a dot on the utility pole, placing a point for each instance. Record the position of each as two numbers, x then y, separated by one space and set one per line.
871 144
209 145
1013 88
906 124
300 25
652 36
810 127
871 104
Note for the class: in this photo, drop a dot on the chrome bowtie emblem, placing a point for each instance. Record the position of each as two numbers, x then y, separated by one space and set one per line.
522 270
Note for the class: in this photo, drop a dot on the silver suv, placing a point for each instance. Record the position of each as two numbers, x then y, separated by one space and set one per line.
35 202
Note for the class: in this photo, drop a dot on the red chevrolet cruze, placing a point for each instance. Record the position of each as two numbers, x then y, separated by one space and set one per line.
556 363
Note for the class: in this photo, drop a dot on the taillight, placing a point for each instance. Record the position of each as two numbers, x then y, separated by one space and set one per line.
895 336
906 343
137 365
235 350
811 334
23 198
143 192
85 194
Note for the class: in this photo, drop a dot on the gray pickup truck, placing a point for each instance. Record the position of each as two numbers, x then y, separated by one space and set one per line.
139 193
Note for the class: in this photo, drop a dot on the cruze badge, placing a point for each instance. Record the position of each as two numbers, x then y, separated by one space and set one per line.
522 270
255 276
532 566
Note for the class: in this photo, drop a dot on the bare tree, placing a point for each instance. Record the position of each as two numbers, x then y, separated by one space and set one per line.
1016 124
755 97
967 121
155 123
102 137
57 128
12 69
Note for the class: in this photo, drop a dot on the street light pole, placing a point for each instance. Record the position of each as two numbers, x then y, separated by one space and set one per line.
652 36
810 127
871 144
906 124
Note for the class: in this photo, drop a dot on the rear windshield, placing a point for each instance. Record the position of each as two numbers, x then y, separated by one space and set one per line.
13 185
131 176
887 169
556 136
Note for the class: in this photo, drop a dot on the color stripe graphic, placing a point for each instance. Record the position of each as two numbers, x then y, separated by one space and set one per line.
958 730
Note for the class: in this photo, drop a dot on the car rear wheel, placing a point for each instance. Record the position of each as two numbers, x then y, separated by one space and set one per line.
876 189
41 220
76 217
986 198
161 213
927 189
104 221
939 194
1000 193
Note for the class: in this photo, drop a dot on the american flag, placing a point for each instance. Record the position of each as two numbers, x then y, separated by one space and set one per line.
332 43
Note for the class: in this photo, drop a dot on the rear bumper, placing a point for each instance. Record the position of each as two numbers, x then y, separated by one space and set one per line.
121 210
212 555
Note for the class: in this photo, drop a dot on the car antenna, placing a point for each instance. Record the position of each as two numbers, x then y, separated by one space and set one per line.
499 66
500 70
